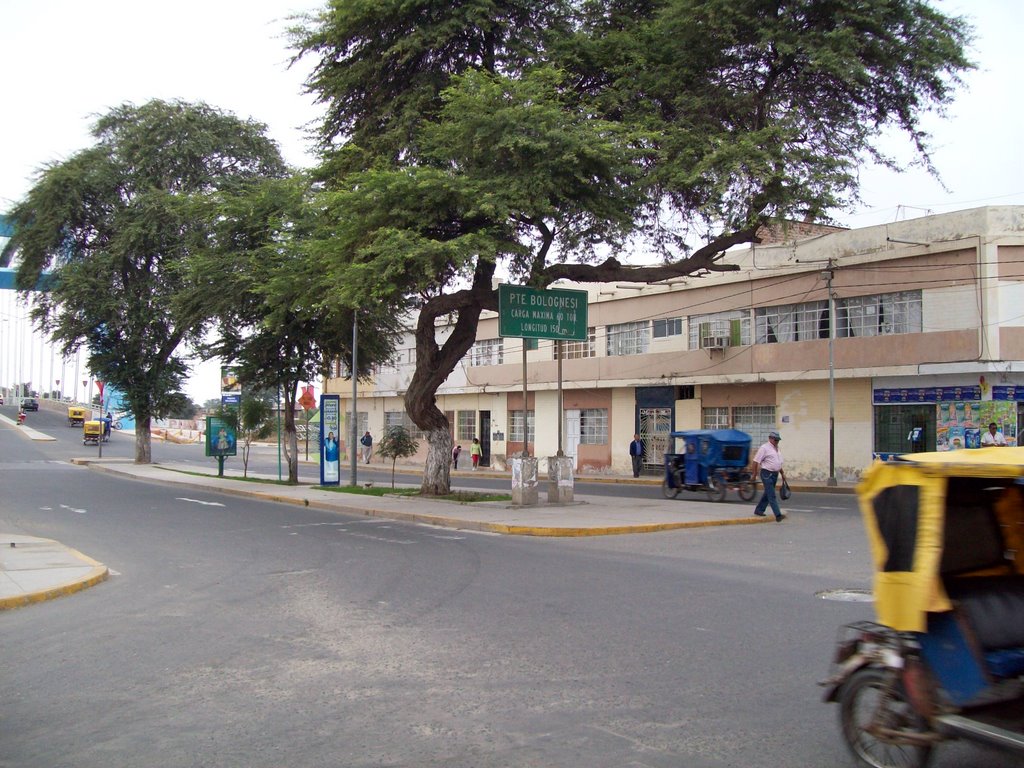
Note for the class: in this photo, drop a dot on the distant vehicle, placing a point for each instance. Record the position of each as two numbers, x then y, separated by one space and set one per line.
29 404
1 399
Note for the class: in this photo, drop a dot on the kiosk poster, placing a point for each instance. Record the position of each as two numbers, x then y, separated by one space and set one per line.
220 437
960 424
330 431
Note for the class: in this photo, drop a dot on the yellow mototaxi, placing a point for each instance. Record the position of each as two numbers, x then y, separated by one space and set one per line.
76 415
92 432
944 656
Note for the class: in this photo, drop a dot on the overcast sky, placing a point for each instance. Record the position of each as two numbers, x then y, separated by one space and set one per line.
64 62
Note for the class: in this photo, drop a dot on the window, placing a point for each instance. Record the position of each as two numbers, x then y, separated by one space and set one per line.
756 420
791 322
486 352
401 419
467 426
715 418
594 426
362 422
574 350
670 326
734 325
880 315
629 338
894 423
515 427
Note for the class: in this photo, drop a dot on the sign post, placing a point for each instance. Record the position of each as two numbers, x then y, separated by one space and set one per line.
220 441
330 434
558 315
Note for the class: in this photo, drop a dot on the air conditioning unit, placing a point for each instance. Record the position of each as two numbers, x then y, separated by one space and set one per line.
714 342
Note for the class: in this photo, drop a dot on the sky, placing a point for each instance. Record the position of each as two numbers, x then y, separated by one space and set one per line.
64 62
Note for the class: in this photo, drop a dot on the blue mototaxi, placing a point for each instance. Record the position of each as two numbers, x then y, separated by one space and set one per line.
709 460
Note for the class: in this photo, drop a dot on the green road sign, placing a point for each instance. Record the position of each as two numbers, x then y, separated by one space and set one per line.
531 314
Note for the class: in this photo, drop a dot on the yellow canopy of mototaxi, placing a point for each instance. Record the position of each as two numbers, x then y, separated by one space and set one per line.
904 507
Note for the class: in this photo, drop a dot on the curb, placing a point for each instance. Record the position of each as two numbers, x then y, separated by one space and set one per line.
98 574
434 520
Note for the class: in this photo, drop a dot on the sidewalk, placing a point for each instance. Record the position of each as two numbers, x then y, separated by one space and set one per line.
38 569
587 515
33 570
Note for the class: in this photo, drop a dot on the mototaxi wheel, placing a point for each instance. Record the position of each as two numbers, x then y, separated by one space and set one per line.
717 488
747 490
878 723
668 491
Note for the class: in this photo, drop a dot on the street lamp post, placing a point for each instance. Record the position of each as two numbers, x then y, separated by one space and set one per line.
828 274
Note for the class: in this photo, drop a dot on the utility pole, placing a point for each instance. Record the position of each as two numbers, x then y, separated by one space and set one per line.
828 274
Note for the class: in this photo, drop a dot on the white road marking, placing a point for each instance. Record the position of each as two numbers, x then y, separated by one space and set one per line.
198 501
73 509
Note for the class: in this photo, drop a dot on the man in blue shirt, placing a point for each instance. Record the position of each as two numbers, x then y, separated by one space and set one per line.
636 454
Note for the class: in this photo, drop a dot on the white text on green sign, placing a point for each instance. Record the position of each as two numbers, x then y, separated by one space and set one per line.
532 314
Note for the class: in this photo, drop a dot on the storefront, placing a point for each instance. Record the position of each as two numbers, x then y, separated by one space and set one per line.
942 417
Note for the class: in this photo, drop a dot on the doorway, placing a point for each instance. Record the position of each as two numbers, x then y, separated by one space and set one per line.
572 435
485 438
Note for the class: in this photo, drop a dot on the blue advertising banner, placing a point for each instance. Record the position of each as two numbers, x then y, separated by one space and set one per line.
330 431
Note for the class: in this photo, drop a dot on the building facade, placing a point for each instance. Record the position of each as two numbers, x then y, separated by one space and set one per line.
851 343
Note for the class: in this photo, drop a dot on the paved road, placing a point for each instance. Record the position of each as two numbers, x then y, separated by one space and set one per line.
240 633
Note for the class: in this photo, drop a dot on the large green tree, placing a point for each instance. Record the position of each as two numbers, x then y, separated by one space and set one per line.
277 321
115 224
470 139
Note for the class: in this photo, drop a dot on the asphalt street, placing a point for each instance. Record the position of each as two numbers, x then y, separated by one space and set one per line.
234 632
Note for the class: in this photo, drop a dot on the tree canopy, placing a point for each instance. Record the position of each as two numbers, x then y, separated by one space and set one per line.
115 223
480 138
258 278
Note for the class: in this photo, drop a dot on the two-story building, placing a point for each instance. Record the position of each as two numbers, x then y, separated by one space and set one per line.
885 339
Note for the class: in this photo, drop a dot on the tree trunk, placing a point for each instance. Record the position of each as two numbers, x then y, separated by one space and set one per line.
143 441
291 439
437 471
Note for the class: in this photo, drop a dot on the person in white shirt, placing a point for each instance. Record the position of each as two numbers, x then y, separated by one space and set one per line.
768 464
993 436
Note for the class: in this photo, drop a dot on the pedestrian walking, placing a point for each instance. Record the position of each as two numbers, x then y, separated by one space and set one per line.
768 465
474 452
455 456
636 454
367 442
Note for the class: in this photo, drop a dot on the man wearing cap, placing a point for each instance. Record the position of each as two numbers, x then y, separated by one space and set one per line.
768 465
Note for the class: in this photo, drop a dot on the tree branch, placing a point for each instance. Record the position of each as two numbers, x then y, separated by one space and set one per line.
704 259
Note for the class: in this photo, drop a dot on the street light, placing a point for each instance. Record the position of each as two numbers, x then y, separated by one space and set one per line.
827 275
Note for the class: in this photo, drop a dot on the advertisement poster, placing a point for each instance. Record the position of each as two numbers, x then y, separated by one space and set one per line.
230 386
330 431
220 437
960 424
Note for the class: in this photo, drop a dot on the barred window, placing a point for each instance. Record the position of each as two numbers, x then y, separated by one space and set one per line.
401 419
715 418
756 420
486 352
467 425
880 315
362 422
594 426
791 322
734 325
629 338
669 326
574 350
515 427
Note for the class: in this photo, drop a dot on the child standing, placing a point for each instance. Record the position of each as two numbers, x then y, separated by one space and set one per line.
474 452
455 456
